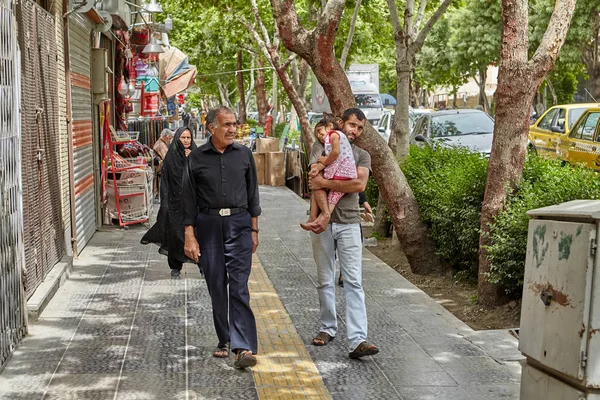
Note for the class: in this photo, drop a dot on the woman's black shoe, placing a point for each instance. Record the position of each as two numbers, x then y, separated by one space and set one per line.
175 273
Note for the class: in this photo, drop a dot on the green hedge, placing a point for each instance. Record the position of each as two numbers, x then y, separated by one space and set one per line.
449 185
544 183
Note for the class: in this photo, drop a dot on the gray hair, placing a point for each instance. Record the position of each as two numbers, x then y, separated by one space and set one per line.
166 133
213 113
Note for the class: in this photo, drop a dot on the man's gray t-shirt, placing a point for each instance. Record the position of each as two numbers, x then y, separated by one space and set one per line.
346 211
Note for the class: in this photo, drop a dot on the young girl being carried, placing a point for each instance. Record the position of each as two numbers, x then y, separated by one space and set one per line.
338 163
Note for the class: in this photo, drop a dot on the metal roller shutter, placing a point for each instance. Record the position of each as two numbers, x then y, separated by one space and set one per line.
12 310
40 143
81 109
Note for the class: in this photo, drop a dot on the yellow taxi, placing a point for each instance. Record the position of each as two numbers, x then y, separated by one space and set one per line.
582 144
556 121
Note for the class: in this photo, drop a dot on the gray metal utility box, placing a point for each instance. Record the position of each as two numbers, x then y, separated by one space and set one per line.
560 315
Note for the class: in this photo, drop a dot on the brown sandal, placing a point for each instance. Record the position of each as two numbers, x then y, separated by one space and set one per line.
244 359
323 337
364 349
222 351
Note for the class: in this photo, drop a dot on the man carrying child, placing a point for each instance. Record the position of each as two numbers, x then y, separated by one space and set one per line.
340 230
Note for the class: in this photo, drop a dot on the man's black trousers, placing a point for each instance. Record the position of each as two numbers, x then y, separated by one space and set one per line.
226 247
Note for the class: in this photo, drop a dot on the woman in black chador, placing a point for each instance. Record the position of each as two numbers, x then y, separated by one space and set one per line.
167 232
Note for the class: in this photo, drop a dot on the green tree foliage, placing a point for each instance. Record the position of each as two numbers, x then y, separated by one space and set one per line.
435 66
475 36
373 40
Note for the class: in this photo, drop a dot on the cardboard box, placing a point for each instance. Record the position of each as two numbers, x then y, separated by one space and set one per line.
259 160
267 145
275 172
294 166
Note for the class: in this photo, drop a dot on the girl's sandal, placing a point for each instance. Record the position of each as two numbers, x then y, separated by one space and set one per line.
244 359
222 351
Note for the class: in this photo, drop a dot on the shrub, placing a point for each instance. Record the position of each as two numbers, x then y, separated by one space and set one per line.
252 123
449 184
372 192
279 129
544 183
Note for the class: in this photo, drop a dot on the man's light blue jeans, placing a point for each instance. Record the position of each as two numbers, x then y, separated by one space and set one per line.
347 239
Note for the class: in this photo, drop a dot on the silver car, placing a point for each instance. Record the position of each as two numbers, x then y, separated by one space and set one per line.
472 129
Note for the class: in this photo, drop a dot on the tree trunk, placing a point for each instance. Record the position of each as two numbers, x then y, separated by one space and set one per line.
348 43
224 93
242 93
261 93
552 92
518 81
483 100
252 83
399 139
594 81
382 223
317 48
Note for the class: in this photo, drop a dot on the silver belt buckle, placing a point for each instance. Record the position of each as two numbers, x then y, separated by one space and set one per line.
225 212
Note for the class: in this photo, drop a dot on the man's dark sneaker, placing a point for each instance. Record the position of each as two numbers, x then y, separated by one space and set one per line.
175 273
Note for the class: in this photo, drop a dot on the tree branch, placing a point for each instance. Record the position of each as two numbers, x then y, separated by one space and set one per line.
409 11
394 16
291 31
248 49
420 14
348 43
329 22
262 27
420 40
554 37
291 58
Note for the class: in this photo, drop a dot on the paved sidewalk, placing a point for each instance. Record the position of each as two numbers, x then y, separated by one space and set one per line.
121 328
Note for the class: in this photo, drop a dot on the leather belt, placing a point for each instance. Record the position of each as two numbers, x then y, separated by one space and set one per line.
223 212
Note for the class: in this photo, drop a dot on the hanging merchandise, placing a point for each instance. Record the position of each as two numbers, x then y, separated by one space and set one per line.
175 71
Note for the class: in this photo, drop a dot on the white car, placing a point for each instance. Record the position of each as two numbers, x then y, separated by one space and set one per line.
387 119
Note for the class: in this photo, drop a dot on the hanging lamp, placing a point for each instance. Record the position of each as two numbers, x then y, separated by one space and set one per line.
153 47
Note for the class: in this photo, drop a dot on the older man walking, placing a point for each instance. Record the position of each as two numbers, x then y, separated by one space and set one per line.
341 232
221 202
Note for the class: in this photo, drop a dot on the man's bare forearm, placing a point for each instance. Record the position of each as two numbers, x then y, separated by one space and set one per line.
345 186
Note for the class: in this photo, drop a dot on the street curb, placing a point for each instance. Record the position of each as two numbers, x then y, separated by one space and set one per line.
46 291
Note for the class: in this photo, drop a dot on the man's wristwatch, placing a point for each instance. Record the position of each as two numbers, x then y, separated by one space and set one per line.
254 230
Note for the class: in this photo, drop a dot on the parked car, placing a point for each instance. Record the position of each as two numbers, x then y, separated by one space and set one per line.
314 118
387 119
473 129
545 133
582 144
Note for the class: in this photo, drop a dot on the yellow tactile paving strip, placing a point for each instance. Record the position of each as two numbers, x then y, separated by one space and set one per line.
285 369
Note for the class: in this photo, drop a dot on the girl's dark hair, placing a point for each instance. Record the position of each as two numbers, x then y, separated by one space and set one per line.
328 119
